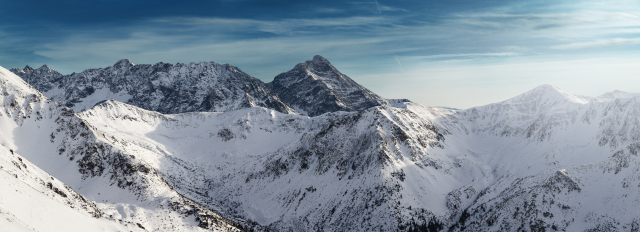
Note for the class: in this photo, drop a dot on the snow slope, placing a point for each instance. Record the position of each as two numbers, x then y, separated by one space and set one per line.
395 168
33 200
340 171
122 187
552 154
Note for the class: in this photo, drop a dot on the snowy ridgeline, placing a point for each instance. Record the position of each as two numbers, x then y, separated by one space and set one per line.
544 160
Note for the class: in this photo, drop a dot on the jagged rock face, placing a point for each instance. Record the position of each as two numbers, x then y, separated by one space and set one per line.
316 87
162 87
43 78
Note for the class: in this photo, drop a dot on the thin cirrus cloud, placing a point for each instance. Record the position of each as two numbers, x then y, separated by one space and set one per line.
598 43
329 10
272 26
440 56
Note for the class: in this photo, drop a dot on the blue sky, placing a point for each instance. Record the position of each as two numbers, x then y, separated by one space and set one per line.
438 53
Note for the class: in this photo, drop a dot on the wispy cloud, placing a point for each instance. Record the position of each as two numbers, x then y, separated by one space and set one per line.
272 26
399 64
389 8
468 55
598 43
329 10
378 6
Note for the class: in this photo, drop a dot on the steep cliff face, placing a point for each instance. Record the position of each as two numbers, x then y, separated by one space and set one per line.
316 87
166 88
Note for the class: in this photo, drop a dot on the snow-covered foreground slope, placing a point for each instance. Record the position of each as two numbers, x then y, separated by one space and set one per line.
122 187
33 200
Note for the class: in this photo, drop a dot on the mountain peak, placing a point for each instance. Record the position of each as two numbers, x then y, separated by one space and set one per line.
24 71
123 63
547 95
615 95
319 59
45 68
316 87
27 69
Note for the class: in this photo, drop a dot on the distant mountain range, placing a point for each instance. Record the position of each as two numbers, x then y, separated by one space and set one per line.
314 87
206 147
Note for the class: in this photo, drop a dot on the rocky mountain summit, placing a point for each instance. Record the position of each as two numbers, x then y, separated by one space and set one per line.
316 87
162 87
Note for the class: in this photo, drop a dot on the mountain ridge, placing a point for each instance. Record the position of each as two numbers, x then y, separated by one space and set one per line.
167 88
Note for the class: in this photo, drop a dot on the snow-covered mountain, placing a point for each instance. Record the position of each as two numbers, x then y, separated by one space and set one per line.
615 95
389 168
544 160
316 87
556 161
77 172
166 88
339 171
